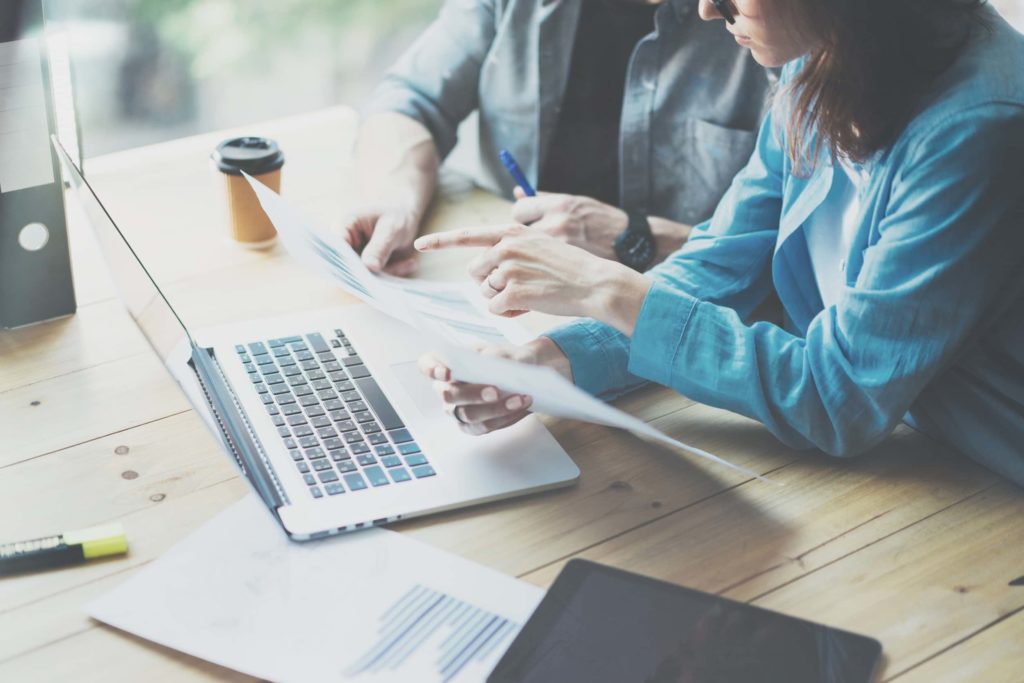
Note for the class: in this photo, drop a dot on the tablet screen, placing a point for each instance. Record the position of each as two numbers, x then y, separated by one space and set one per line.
600 624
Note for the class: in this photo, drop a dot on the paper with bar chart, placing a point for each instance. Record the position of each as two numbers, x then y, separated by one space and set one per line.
372 606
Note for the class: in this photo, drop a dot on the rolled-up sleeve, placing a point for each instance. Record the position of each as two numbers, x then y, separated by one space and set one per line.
436 80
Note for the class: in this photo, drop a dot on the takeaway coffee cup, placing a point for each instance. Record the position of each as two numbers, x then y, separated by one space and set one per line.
262 159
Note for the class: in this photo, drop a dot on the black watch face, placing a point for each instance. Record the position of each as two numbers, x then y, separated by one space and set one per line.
635 250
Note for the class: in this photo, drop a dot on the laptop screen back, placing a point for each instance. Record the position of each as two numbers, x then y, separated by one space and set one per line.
145 302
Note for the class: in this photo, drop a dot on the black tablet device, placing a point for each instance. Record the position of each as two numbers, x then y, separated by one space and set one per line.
604 625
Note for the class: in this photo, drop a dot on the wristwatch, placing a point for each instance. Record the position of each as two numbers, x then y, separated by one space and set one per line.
635 247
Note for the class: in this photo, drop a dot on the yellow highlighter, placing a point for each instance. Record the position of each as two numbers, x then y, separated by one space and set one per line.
73 547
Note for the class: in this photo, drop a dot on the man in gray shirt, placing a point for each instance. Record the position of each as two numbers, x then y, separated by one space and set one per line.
635 115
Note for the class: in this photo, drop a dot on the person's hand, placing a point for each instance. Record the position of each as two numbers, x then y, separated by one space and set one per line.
580 221
481 408
383 235
524 269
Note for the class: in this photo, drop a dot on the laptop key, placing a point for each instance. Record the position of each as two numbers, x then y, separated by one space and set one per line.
239 349
278 420
335 343
283 431
296 454
399 474
309 365
273 409
279 389
296 420
358 372
314 411
264 360
343 385
287 362
257 348
349 361
316 374
273 378
281 351
296 344
334 404
321 464
384 450
290 444
303 390
297 380
291 409
366 460
423 471
251 367
326 432
358 448
415 460
364 416
345 425
333 443
339 454
304 355
315 453
328 476
376 476
303 467
302 430
309 400
267 398
409 448
275 343
357 407
334 366
355 481
327 394
322 385
317 341
320 421
400 435
309 479
377 439
339 415
282 399
290 370
346 466
381 405
316 492
372 428
262 388
255 377
350 396
308 442
391 461
334 488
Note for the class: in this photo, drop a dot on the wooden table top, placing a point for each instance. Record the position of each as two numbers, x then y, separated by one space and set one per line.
913 545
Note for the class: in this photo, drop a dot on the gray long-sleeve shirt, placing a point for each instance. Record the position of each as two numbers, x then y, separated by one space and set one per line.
693 98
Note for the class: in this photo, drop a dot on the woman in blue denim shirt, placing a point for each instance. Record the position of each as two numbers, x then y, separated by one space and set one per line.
885 203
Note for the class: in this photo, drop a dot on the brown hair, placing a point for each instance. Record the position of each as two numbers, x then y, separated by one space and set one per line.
874 63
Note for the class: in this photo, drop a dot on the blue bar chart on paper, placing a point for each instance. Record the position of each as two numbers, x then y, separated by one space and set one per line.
425 621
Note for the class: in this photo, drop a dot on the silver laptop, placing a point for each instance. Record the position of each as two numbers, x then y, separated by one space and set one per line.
325 413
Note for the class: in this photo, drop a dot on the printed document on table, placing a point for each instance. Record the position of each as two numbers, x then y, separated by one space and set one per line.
371 606
455 312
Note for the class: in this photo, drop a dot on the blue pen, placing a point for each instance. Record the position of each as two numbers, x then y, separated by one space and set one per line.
517 174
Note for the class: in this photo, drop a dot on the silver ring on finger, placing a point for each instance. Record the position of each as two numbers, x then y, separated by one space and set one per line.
457 416
490 284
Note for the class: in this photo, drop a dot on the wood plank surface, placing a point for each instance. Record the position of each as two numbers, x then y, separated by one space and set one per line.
913 545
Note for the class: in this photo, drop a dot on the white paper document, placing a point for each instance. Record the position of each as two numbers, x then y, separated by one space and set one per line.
369 606
454 312
450 318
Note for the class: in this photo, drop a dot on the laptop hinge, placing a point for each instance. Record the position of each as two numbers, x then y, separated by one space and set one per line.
235 429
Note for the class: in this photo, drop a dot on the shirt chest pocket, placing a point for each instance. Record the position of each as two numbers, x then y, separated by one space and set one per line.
701 163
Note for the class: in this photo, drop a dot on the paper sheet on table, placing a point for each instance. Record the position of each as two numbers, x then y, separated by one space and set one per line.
454 312
554 395
370 606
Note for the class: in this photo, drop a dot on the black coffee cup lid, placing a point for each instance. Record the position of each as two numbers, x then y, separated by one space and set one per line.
253 155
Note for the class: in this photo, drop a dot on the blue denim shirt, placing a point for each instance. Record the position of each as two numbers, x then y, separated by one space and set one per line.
693 98
930 318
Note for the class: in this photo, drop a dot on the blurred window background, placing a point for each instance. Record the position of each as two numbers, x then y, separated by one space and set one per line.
154 70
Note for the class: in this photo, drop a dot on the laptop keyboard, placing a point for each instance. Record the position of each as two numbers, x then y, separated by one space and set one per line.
339 428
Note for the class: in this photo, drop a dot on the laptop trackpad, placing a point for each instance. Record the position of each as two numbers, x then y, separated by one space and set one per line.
419 389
